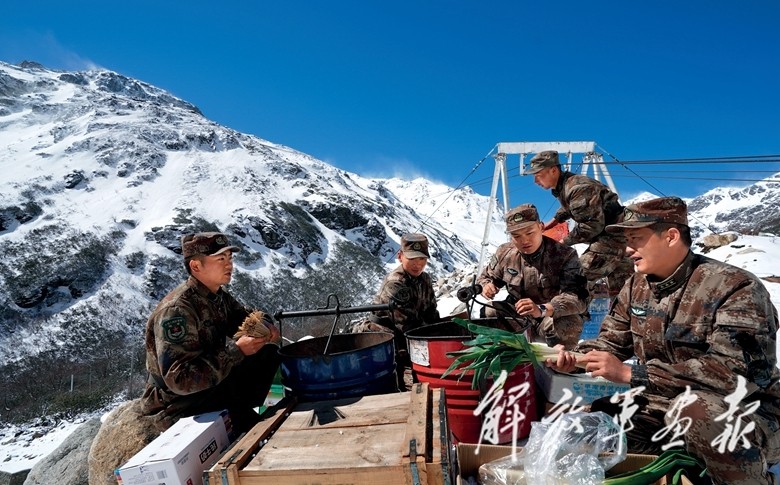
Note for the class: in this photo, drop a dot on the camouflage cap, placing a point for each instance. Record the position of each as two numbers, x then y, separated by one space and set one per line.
521 217
414 245
206 243
644 214
542 160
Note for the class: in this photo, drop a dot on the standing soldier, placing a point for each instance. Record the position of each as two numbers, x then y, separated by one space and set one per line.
543 278
195 363
704 335
410 290
592 206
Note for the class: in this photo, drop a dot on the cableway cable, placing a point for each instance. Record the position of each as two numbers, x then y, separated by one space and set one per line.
659 191
452 192
708 226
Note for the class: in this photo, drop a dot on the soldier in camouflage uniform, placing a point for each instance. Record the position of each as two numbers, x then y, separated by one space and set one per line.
691 322
195 365
543 277
593 206
410 289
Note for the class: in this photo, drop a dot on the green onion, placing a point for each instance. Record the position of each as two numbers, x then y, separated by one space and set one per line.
493 350
676 462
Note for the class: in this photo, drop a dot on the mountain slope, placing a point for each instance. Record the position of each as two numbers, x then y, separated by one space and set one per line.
103 173
749 210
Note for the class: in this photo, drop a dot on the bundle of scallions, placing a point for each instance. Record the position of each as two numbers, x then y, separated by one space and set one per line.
493 350
674 462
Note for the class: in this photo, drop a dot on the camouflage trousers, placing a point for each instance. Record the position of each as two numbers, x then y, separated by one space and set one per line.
244 389
741 460
552 331
615 268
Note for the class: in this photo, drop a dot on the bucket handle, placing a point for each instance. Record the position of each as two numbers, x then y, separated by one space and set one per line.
336 310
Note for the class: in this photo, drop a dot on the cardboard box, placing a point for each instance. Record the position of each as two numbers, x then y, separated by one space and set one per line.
180 455
469 462
393 439
588 388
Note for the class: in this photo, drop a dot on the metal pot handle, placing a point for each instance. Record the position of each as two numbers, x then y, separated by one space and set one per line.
336 310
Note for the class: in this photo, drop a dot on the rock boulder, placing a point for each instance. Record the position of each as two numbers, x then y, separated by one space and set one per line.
124 432
68 462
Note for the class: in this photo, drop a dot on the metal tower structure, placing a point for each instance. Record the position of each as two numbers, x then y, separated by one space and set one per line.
590 159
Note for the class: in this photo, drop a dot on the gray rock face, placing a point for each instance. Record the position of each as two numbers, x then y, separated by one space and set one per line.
67 463
16 478
711 241
123 434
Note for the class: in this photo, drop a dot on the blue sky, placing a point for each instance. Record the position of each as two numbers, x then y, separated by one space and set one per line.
430 87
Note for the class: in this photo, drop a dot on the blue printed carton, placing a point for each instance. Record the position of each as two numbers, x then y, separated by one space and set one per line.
589 388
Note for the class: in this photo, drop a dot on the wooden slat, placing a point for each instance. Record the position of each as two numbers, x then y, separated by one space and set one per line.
352 412
350 441
243 449
418 405
316 476
416 436
330 448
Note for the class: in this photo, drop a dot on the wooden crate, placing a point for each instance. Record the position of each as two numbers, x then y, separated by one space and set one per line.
399 438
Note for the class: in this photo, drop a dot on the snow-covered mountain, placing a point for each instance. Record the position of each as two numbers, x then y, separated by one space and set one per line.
745 210
749 210
101 174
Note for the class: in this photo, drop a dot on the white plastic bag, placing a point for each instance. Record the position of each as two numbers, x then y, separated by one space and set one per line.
575 449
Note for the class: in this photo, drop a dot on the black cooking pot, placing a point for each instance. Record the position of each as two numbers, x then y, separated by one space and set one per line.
356 364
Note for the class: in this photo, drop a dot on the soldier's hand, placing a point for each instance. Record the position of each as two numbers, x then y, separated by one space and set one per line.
276 335
566 361
603 364
527 307
252 345
489 290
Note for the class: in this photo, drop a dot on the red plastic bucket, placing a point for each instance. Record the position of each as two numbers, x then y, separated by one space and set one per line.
428 347
517 405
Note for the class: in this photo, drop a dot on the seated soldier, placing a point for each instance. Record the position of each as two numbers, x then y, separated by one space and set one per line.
544 280
410 289
703 333
195 364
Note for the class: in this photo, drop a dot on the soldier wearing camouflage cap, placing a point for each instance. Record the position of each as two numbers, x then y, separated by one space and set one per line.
410 289
698 327
543 278
195 365
592 206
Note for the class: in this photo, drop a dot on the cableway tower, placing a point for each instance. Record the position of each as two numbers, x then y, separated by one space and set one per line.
565 149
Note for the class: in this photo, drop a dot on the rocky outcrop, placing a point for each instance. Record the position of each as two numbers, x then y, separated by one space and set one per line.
15 478
712 241
68 462
448 285
90 454
123 434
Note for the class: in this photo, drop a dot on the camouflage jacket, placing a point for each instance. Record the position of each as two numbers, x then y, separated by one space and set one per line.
414 299
700 327
189 345
593 206
552 276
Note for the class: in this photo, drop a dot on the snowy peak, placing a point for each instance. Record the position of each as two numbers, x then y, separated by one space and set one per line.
750 210
104 173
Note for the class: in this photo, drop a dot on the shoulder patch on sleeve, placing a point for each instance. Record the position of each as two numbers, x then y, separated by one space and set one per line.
174 330
403 295
493 262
